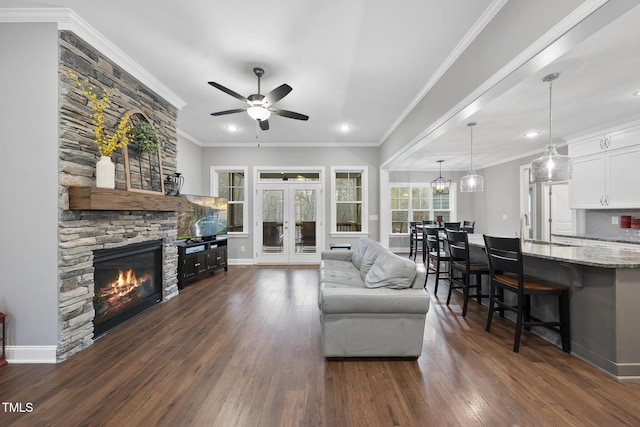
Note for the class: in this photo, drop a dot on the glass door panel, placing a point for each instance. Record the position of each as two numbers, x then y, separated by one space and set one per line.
306 210
288 229
272 221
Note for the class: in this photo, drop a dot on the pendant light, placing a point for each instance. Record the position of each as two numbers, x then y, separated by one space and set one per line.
440 185
471 182
552 166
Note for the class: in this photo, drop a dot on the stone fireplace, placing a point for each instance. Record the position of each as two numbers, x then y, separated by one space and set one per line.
83 234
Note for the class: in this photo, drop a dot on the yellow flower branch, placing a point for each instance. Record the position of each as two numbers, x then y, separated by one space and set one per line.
121 136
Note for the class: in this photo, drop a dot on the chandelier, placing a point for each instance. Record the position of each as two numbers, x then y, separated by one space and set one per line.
440 185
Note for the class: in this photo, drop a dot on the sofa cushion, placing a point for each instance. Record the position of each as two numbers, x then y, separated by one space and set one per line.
369 258
391 271
346 275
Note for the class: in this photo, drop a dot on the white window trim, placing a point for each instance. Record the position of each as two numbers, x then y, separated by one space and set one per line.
214 191
364 170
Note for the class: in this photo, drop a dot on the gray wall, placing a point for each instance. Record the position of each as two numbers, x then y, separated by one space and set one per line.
189 164
501 197
294 156
29 136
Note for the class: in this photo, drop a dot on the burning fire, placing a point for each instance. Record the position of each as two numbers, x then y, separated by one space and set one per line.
125 284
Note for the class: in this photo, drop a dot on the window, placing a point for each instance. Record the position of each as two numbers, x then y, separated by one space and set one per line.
348 200
399 209
231 184
416 202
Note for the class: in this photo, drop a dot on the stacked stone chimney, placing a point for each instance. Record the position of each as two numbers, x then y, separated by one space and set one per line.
82 232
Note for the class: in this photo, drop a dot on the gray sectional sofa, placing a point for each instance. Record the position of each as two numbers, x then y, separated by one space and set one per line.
372 303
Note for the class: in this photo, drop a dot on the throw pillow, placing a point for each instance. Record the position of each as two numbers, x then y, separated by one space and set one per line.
373 250
358 252
391 271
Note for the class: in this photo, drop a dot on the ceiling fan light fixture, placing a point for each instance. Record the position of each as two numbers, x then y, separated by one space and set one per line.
471 182
258 113
551 166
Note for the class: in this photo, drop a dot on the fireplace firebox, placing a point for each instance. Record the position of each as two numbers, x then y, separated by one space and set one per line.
127 281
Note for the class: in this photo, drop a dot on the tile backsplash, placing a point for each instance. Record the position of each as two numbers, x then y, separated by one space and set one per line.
598 222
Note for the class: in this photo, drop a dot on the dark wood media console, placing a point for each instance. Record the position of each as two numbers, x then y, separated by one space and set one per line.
199 258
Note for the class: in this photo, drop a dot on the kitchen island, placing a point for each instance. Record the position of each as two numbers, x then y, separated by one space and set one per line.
605 300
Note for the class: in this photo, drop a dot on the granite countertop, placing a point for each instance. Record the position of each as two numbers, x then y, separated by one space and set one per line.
600 238
583 255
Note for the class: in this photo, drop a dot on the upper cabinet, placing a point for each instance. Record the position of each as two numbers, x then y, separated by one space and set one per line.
604 167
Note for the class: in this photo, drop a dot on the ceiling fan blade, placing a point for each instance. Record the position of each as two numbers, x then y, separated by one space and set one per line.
289 114
277 94
228 91
223 113
264 124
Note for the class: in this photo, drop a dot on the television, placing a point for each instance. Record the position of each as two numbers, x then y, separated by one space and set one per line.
204 219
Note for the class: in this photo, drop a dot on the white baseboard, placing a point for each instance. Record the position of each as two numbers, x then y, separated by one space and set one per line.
31 353
241 261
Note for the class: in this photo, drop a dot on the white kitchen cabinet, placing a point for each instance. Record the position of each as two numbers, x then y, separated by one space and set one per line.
622 184
587 185
604 169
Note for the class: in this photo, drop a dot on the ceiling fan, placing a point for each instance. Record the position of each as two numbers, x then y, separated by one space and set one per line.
260 106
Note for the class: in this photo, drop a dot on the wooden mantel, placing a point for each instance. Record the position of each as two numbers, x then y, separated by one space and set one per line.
105 199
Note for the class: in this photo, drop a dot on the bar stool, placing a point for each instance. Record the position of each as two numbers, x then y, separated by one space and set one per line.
435 254
507 274
415 240
458 242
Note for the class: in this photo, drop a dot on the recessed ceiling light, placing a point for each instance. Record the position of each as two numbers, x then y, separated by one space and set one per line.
232 128
344 128
636 93
532 134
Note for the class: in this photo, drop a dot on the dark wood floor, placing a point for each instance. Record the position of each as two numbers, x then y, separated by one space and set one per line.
242 348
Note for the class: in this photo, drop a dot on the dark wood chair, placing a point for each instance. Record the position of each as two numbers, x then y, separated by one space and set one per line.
415 239
436 255
468 226
506 269
460 262
452 226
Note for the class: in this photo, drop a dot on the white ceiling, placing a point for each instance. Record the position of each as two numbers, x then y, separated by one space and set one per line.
361 63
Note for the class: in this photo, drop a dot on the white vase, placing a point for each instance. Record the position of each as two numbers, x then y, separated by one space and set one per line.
105 173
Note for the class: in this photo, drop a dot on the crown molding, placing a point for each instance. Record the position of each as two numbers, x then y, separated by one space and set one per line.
263 144
67 19
189 137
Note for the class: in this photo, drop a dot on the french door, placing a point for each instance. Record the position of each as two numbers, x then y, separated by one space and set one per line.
288 226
